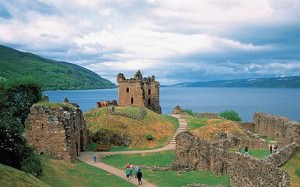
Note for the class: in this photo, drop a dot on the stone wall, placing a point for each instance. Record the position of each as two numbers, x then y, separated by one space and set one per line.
283 155
195 153
58 131
247 126
277 128
139 91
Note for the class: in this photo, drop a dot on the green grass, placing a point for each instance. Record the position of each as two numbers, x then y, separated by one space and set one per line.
12 177
154 159
178 179
293 169
63 174
195 122
256 153
51 74
165 178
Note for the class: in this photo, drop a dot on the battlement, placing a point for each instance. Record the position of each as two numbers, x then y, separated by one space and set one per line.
139 91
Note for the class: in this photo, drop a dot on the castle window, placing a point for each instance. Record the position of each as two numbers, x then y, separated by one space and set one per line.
149 101
149 91
131 100
42 126
127 90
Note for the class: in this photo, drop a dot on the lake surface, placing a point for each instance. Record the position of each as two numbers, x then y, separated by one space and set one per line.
246 101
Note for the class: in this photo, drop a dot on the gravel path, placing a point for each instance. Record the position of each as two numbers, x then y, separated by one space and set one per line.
87 156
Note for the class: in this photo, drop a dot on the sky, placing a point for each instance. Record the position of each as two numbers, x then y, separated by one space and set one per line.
176 40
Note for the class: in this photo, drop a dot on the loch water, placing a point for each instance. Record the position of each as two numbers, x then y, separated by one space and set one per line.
246 101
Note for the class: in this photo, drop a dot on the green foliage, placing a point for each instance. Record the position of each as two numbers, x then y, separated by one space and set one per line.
149 137
230 115
16 99
190 111
31 164
53 75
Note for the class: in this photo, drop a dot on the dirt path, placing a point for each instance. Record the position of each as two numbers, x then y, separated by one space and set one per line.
87 156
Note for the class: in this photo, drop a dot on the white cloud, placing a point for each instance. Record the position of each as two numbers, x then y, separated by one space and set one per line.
163 36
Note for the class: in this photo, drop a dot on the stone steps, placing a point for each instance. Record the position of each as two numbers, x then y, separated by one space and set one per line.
182 127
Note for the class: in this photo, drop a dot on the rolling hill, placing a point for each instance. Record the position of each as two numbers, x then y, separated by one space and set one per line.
53 75
274 82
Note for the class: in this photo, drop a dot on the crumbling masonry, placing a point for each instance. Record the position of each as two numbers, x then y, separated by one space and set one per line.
57 131
139 91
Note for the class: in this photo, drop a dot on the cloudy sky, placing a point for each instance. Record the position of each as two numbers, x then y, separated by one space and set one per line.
177 40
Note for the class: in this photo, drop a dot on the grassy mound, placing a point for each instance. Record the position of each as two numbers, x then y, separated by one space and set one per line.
292 167
12 177
133 124
207 128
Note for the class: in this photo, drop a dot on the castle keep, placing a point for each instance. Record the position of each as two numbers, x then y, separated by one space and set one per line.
57 131
139 91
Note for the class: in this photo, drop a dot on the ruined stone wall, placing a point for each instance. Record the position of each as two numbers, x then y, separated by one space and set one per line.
247 126
195 153
59 132
277 128
139 91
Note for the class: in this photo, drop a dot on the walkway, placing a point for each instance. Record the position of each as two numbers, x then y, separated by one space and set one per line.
87 156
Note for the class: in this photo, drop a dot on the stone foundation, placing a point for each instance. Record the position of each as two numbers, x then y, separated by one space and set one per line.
195 153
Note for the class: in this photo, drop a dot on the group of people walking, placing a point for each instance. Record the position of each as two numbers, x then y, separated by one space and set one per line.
131 172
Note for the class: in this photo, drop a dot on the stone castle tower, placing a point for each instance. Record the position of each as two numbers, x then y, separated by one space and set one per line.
139 91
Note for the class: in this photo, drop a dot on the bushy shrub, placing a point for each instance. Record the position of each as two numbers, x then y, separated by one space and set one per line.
230 115
149 137
189 111
31 164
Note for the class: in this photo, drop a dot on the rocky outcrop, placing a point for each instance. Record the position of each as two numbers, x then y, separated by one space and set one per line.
195 153
57 130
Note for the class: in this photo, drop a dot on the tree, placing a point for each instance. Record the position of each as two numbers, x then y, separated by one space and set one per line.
231 115
16 99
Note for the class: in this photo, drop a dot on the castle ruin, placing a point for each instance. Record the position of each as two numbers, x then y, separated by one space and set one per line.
56 130
139 91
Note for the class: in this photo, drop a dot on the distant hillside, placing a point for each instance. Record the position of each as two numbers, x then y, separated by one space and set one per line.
274 82
53 75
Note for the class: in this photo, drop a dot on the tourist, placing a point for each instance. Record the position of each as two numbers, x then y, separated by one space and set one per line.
137 168
139 176
246 151
94 158
128 170
275 148
271 149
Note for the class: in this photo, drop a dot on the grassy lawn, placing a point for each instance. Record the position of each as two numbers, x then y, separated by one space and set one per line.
60 173
256 153
293 169
165 178
12 177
